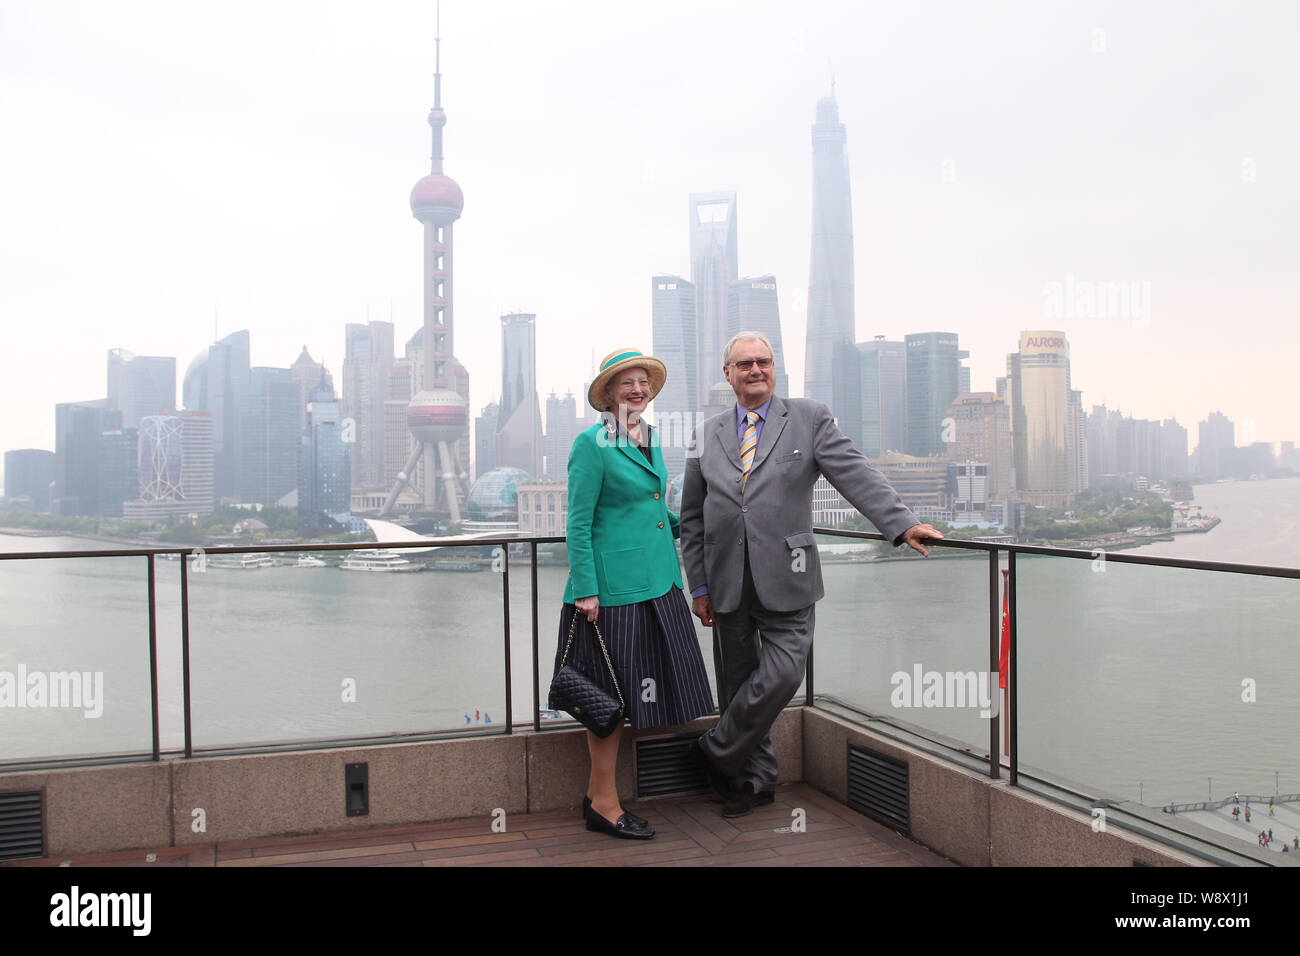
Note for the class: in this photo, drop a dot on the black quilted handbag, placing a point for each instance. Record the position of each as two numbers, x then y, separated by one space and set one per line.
575 692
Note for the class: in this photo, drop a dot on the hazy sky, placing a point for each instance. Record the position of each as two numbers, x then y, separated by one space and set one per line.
172 170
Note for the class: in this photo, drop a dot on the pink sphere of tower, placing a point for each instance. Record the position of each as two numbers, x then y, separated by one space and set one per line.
437 415
437 197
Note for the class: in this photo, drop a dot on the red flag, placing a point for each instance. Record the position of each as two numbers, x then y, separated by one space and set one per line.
1004 656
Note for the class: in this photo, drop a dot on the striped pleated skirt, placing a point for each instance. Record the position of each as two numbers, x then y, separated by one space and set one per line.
655 653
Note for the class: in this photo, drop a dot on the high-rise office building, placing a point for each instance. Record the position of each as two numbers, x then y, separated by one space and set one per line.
752 307
674 341
981 432
830 283
174 455
1217 437
79 428
714 267
269 437
307 373
397 433
1076 444
216 382
140 385
846 391
29 474
883 371
485 439
1045 433
519 429
324 476
1173 449
118 478
159 457
368 358
933 381
561 429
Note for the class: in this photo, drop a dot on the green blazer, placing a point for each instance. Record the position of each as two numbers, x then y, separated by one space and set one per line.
620 531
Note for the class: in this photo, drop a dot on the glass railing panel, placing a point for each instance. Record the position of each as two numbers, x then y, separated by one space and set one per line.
1159 684
342 644
74 658
906 639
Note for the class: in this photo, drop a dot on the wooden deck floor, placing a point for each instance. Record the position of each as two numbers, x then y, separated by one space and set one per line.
690 832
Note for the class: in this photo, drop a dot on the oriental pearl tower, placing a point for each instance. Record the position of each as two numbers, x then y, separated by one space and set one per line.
438 417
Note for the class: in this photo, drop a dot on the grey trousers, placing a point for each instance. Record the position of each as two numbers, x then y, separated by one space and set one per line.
759 657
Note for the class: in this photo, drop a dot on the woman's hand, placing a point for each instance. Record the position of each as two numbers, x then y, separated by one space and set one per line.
589 606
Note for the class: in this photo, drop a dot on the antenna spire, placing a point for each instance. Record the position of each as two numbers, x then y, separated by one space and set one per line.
437 56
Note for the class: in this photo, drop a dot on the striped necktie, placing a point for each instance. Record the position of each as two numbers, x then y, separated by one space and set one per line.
748 445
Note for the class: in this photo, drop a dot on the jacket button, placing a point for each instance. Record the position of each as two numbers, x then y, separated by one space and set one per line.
745 509
656 496
661 524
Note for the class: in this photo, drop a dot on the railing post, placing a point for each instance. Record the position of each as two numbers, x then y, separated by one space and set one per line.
505 603
537 693
1013 678
153 655
808 678
995 694
185 652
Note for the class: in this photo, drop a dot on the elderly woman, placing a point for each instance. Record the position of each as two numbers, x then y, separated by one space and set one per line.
624 574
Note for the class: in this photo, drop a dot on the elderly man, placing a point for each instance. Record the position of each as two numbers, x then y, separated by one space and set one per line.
751 559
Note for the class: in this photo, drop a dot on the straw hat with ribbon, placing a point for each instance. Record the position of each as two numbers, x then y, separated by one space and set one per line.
614 363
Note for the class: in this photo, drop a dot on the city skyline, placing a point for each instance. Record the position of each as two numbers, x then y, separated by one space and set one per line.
272 195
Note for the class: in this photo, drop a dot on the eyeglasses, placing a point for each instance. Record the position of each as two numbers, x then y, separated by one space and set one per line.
746 364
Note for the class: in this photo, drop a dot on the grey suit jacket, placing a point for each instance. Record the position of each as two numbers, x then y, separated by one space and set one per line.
772 518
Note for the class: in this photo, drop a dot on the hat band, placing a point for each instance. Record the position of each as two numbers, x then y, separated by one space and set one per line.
614 360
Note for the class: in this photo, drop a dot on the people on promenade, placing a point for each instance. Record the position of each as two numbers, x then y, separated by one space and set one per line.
751 559
624 575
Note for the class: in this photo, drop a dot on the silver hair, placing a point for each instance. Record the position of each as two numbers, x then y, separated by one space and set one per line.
745 336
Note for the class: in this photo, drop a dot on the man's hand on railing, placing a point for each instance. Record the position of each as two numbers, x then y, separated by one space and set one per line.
918 533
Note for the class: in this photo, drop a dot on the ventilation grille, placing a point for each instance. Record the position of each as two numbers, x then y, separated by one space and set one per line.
665 766
20 826
878 788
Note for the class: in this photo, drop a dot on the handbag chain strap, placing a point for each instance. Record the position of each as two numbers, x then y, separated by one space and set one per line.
573 626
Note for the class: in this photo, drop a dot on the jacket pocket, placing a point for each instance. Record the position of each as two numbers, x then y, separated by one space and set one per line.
800 539
626 571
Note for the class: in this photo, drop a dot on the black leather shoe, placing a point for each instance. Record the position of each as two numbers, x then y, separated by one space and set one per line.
724 787
632 817
747 800
624 827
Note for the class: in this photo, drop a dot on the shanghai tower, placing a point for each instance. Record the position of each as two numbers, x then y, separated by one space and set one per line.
830 282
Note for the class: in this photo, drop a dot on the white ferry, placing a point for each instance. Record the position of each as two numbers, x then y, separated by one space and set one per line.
378 560
244 562
309 561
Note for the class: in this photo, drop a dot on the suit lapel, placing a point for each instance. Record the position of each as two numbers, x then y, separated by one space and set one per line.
772 427
727 435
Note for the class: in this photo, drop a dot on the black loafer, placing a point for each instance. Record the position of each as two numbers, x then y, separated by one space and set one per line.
747 800
624 828
725 788
632 817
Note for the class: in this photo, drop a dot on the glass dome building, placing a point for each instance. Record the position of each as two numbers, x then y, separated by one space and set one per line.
494 500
